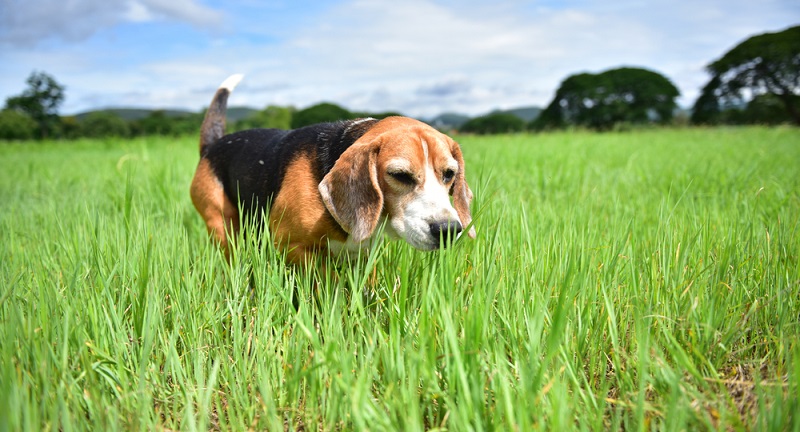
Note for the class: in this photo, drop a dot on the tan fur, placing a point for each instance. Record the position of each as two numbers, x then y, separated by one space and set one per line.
351 190
462 194
209 198
298 220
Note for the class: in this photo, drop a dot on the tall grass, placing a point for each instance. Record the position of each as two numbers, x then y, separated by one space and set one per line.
641 280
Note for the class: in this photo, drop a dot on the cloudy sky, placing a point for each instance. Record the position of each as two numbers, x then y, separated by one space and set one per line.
419 57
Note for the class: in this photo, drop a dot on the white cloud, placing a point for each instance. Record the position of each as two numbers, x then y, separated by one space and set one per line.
529 50
27 23
420 57
419 46
188 11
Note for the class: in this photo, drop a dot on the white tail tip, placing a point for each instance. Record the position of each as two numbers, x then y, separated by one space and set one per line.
231 82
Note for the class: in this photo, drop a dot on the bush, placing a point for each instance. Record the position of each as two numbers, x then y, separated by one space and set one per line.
320 113
186 124
271 117
494 124
15 125
156 123
100 124
70 128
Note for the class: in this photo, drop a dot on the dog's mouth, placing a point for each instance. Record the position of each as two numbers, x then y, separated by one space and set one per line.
439 235
445 233
425 235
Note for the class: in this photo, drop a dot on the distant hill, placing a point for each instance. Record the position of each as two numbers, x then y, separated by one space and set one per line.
525 113
240 113
455 121
448 121
443 121
132 114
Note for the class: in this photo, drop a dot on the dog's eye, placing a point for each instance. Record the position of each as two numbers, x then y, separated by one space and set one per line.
403 177
448 175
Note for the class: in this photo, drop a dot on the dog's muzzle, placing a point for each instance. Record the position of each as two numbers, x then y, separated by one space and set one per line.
446 232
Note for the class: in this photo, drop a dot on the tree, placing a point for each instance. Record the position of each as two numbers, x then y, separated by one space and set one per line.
320 113
271 117
187 124
40 101
15 125
101 124
494 123
156 123
768 109
71 128
706 108
600 101
768 63
378 115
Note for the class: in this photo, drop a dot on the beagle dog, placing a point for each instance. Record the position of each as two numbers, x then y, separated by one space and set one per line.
327 187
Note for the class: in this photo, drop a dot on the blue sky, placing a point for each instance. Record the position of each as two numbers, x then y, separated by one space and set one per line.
419 57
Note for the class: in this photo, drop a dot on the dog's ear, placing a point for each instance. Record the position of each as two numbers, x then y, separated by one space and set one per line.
462 194
351 191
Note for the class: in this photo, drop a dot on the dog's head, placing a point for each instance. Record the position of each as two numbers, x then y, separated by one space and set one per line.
404 171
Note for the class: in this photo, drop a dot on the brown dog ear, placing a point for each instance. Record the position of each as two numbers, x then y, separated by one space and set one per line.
462 194
351 191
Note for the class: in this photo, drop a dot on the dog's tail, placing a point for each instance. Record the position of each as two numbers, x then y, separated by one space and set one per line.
214 122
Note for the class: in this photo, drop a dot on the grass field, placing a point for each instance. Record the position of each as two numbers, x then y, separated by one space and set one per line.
639 280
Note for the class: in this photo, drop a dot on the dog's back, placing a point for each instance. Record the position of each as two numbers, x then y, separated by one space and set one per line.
251 164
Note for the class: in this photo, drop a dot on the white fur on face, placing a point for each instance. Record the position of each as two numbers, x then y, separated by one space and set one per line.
429 204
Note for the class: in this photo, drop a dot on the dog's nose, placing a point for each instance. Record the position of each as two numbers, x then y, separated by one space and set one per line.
447 231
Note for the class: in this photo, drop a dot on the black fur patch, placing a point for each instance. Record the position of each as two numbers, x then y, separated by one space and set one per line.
251 164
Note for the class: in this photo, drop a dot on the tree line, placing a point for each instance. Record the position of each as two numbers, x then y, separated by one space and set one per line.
756 82
18 123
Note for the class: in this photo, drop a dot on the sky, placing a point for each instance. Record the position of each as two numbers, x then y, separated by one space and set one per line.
417 57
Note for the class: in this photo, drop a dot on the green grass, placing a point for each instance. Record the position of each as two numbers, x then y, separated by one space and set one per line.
640 280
